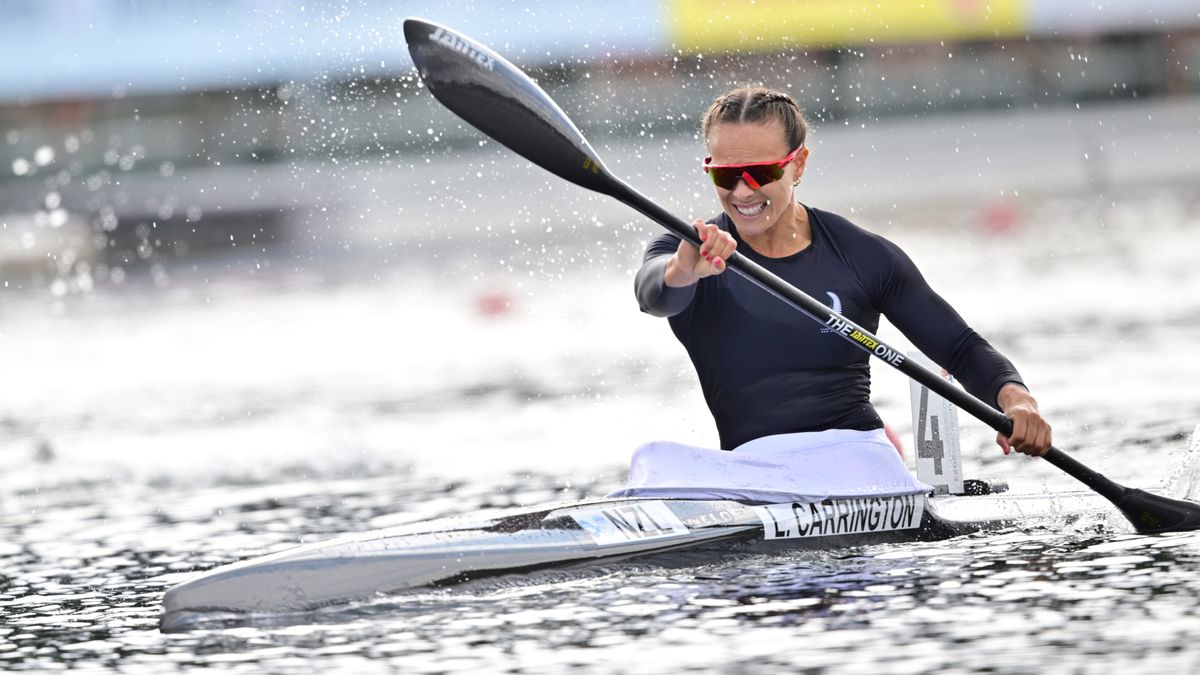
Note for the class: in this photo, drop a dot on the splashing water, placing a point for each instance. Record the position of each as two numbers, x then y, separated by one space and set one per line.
1184 479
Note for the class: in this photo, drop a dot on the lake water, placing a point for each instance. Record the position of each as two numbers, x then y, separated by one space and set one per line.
161 426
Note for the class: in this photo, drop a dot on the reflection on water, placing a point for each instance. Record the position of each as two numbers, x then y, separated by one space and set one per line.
225 422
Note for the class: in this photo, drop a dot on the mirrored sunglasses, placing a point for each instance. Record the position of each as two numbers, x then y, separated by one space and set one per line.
756 175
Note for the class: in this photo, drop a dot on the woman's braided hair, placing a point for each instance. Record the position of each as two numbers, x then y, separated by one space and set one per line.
758 104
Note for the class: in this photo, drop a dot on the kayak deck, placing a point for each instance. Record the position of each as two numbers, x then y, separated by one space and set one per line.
452 550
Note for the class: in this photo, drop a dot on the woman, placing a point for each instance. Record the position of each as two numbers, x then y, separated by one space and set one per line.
764 369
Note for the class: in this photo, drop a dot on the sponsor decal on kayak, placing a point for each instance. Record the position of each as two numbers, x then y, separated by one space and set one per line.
841 516
715 518
630 522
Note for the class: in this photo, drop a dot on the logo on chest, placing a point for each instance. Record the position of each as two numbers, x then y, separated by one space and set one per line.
835 303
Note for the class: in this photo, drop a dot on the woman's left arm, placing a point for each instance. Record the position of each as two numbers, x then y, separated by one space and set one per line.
926 319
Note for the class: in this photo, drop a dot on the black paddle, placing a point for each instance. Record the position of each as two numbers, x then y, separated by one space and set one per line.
494 96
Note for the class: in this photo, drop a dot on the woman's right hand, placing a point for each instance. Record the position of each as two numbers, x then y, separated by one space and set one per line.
691 264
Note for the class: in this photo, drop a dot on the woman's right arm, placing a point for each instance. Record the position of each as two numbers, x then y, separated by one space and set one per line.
666 282
654 296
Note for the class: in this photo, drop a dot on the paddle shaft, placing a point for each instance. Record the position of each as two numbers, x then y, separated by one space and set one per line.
863 339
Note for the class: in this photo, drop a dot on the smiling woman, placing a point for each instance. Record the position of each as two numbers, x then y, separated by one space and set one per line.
744 128
765 372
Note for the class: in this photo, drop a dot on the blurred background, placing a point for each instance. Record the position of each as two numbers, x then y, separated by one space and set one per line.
257 287
148 134
237 235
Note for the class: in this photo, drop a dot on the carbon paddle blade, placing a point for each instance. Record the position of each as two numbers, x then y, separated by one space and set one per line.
495 97
1152 514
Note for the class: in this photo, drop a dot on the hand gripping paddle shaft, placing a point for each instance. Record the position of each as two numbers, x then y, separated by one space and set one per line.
494 96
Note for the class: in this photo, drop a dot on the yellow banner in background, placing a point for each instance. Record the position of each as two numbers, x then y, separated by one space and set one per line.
769 25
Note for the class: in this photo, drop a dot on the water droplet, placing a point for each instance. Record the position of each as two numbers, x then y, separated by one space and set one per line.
58 217
43 155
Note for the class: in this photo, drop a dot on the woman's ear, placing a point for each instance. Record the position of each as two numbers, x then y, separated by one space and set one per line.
800 162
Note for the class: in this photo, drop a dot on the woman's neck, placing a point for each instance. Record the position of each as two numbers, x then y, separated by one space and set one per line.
791 234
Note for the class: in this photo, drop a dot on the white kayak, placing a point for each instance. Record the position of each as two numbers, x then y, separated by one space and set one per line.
680 503
366 565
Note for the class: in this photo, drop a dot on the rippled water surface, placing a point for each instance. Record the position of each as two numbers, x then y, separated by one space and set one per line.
148 433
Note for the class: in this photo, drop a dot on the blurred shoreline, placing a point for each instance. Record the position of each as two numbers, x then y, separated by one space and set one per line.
972 167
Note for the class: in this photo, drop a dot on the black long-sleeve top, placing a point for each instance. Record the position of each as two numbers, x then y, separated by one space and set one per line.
767 369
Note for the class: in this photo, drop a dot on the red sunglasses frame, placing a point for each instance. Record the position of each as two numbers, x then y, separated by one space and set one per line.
750 181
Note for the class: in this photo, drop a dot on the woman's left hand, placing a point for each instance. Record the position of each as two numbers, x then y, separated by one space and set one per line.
1031 432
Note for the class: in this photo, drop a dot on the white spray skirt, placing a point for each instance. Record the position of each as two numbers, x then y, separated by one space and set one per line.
803 467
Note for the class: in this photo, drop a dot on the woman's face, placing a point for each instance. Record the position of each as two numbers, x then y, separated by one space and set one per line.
755 211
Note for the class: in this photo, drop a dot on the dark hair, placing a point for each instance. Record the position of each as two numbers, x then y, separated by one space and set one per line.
758 104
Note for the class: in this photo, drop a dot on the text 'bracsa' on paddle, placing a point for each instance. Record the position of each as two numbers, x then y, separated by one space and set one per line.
494 96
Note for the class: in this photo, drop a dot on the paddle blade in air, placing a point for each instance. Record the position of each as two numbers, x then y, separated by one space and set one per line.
495 97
